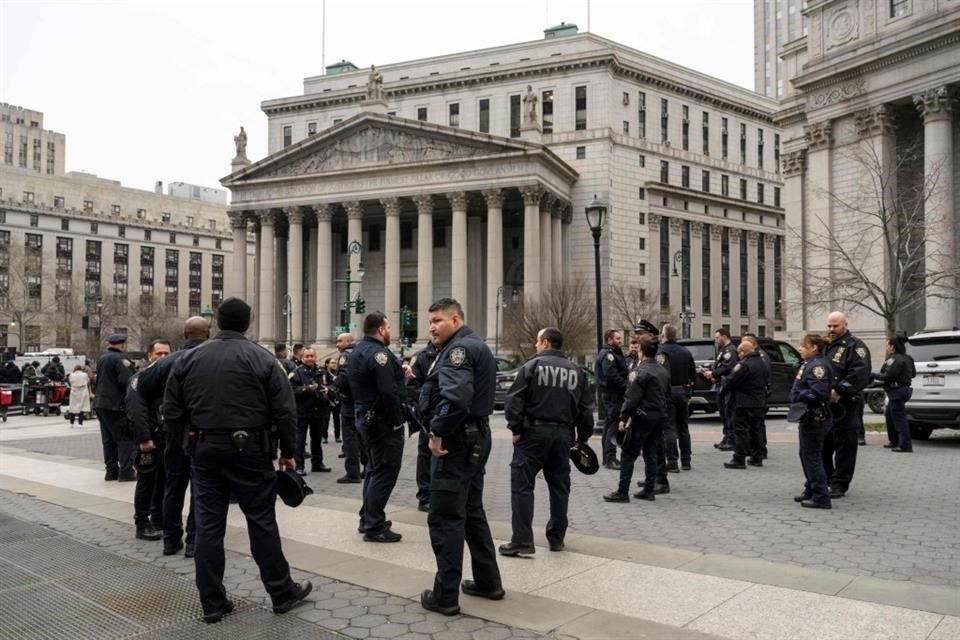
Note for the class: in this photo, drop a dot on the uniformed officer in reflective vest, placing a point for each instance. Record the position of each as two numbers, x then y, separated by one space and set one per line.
812 388
114 371
611 371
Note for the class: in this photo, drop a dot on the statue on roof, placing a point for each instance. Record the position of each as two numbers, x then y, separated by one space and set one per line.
374 84
241 141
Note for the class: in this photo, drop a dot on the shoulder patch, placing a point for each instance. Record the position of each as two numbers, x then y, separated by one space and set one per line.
381 358
610 357
342 361
862 352
726 355
819 371
134 382
632 376
888 362
661 359
459 354
737 366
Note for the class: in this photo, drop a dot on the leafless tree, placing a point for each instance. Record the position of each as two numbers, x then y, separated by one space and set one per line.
568 307
149 318
627 304
22 281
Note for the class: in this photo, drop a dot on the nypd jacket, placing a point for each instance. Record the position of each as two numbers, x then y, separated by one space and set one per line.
850 360
309 401
550 389
897 371
813 383
611 368
648 391
682 368
727 359
376 381
748 382
420 366
461 384
114 371
341 383
145 394
229 383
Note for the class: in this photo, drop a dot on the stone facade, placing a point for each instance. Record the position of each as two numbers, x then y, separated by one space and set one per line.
27 145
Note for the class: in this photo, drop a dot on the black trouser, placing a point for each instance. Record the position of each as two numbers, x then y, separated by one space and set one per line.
725 407
309 423
354 450
679 404
385 451
811 459
763 431
840 446
118 449
332 412
746 431
898 429
148 496
218 471
177 470
546 448
612 401
646 438
423 467
457 515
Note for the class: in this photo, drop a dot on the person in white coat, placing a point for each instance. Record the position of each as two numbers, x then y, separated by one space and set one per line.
79 394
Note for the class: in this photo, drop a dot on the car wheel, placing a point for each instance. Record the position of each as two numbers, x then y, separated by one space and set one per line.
919 431
876 400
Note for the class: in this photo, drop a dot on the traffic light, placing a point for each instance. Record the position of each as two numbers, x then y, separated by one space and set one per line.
405 319
361 304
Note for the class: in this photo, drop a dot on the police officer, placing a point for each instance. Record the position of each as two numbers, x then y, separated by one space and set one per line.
683 372
307 382
457 400
354 452
633 358
765 359
645 409
722 368
748 384
419 367
332 404
114 371
377 384
227 393
144 422
146 397
850 361
297 357
812 388
897 373
611 370
548 400
282 355
644 331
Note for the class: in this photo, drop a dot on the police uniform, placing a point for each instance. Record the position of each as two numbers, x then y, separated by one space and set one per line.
457 399
896 374
420 365
611 370
765 359
748 383
148 396
114 371
683 372
723 366
330 411
548 400
230 392
812 388
849 360
309 413
645 411
354 451
143 420
376 381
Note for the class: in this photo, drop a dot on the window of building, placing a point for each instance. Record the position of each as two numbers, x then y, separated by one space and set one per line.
664 172
94 228
685 132
147 234
665 257
642 193
547 105
705 134
776 152
899 8
684 176
744 284
287 135
641 115
760 148
580 108
484 115
165 217
643 244
216 284
34 220
724 185
643 269
743 189
87 206
122 231
311 128
453 114
777 277
173 238
705 268
643 161
337 121
760 193
641 218
725 271
515 116
626 128
28 197
196 241
189 220
707 329
685 275
115 209
422 114
64 224
664 120
743 144
581 153
218 244
723 138
439 236
776 196
761 277
406 235
58 202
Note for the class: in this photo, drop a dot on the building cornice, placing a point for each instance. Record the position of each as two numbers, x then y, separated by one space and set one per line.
713 221
656 188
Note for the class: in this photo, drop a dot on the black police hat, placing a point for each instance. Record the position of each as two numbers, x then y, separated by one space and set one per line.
623 437
796 411
145 462
117 338
584 459
646 326
291 488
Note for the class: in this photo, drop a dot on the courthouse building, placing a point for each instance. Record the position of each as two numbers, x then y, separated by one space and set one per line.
82 257
465 173
876 79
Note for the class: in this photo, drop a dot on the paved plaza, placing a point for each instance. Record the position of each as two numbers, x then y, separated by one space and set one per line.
727 554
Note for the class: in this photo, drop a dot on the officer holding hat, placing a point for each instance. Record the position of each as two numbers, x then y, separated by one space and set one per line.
644 331
812 389
748 385
549 399
226 395
114 371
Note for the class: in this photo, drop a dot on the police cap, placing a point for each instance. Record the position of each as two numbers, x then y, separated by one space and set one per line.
145 462
291 488
623 437
584 459
645 326
117 338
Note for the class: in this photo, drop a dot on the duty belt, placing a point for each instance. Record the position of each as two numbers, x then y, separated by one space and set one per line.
227 437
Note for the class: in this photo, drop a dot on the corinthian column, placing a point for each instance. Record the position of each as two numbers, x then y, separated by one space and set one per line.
458 248
531 241
556 242
268 302
494 200
239 226
938 106
794 169
424 263
391 284
295 271
546 243
324 251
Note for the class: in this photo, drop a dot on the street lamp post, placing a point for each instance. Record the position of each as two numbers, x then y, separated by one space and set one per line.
686 315
288 317
596 213
359 304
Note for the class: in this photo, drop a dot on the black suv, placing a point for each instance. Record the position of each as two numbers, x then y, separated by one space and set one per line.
784 363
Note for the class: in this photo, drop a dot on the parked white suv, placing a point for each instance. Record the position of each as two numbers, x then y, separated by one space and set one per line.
935 403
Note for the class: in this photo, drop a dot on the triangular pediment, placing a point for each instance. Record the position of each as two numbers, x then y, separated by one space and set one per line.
373 140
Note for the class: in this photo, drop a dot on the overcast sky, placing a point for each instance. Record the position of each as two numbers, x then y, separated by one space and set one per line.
148 91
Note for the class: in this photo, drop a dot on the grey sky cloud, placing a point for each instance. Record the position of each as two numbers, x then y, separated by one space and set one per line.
150 91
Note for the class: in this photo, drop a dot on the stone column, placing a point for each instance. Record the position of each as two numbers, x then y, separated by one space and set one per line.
818 216
458 248
494 200
769 276
324 251
753 282
391 283
254 280
653 269
424 263
676 282
354 234
531 241
239 226
795 304
546 243
716 277
556 242
280 282
937 106
267 303
310 303
295 271
736 237
696 277
475 274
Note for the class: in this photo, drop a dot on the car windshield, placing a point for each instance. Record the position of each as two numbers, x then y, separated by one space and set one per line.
702 351
933 350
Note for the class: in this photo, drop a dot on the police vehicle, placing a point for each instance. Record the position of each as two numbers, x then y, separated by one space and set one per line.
935 403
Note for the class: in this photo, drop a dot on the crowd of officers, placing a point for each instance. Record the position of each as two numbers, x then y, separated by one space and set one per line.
215 413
